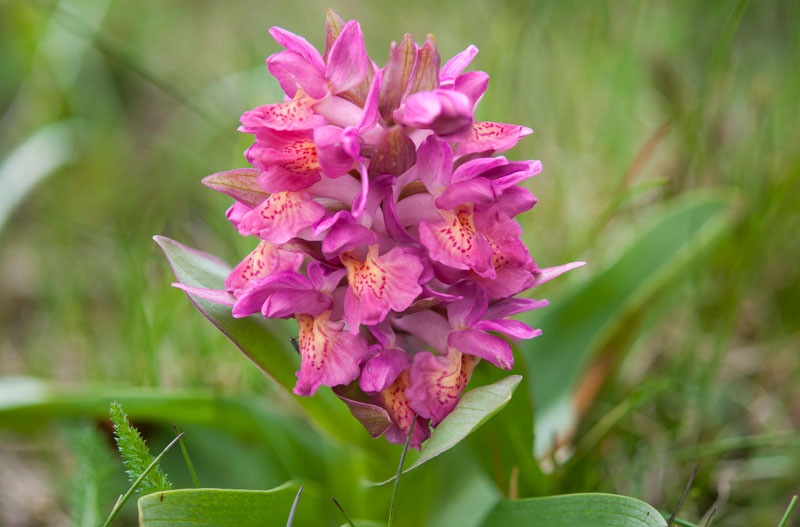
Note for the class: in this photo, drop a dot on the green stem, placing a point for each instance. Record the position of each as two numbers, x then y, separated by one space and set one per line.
188 460
400 472
788 512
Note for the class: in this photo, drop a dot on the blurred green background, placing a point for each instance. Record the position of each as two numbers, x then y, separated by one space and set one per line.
112 111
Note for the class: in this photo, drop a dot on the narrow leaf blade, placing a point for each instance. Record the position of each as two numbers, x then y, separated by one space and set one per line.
576 326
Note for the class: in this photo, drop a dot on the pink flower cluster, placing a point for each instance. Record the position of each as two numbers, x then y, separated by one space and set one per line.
385 226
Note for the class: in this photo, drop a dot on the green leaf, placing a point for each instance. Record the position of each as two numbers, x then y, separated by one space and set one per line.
286 444
215 507
475 408
571 510
254 337
607 308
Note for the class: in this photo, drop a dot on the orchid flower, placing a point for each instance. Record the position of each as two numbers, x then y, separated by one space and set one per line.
384 224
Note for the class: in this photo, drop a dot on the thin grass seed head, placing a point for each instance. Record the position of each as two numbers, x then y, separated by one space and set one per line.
136 457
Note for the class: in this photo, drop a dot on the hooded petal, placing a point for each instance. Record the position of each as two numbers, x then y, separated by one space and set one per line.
447 112
337 149
295 73
347 61
329 355
381 370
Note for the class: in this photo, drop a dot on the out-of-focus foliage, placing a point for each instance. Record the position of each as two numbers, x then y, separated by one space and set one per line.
111 113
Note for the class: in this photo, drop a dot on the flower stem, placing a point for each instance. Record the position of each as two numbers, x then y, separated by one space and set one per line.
399 473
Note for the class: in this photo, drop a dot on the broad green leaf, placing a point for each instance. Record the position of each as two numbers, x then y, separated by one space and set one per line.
475 408
254 337
605 308
215 507
572 510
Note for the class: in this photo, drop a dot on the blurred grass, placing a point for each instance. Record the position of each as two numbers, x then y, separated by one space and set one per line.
632 104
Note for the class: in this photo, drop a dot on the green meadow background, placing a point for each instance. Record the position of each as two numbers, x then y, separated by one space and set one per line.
112 111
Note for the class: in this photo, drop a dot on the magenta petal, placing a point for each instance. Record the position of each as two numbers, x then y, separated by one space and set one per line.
299 45
282 216
481 344
215 295
478 167
346 235
457 64
293 72
473 84
434 164
282 295
478 191
491 137
436 383
470 308
263 261
448 113
512 306
337 149
510 328
371 114
456 243
347 60
380 284
382 370
544 275
329 355
429 326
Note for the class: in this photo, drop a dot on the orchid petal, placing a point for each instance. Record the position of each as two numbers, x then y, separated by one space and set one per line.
510 328
491 137
481 344
396 402
436 382
473 84
380 371
296 114
214 295
453 67
294 72
337 149
282 216
380 284
545 275
448 113
266 259
347 60
329 355
429 326
455 242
